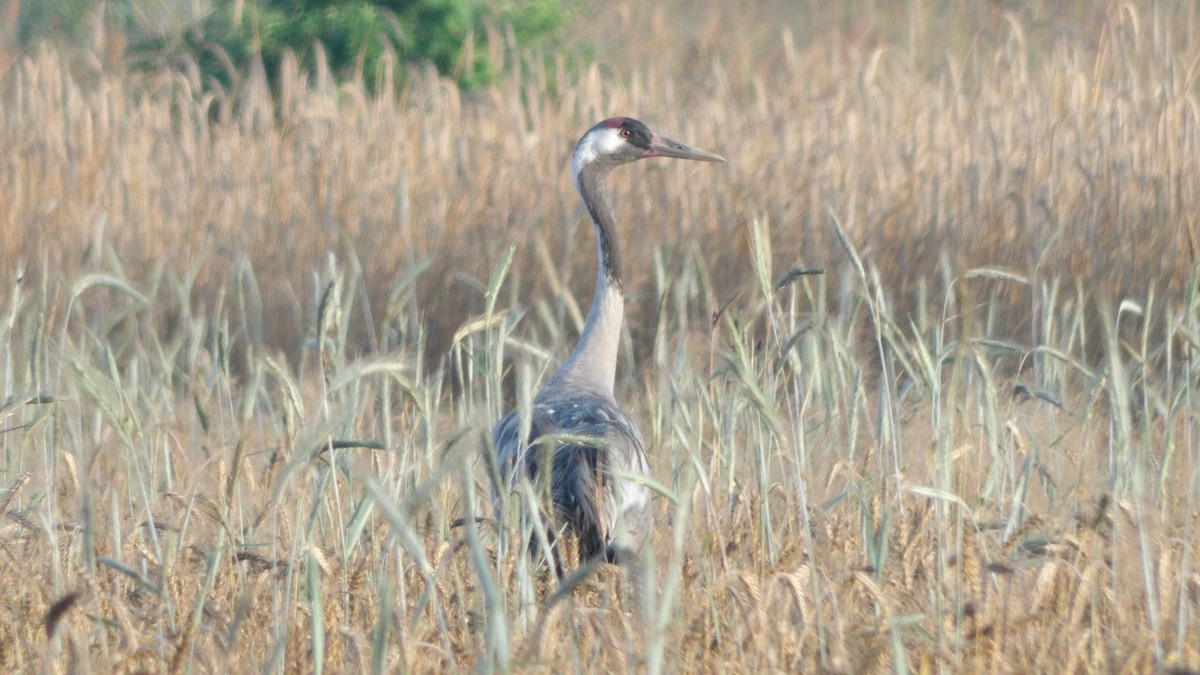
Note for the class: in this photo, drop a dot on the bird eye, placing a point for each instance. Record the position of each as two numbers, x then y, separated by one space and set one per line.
625 133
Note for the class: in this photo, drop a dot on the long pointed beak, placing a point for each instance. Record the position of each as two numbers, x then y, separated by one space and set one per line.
665 147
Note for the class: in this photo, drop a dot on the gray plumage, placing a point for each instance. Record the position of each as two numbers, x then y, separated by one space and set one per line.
594 450
591 440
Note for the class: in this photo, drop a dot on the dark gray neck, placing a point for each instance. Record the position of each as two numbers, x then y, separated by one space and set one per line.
592 182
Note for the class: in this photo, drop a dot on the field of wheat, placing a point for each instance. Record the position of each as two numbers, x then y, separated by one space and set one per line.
253 341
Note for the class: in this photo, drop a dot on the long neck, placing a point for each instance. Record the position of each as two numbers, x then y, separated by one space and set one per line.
592 365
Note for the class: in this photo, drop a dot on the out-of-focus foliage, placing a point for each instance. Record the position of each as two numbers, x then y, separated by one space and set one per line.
227 35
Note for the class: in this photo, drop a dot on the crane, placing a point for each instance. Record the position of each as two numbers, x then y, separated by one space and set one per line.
594 449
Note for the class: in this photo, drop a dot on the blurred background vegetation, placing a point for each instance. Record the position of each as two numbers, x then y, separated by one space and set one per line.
223 37
188 137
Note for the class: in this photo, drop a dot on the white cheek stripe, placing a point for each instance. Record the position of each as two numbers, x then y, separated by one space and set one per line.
597 143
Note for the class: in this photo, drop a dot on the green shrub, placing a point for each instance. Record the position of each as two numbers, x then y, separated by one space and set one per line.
230 34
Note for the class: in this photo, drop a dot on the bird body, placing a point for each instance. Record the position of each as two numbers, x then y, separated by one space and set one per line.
594 450
594 444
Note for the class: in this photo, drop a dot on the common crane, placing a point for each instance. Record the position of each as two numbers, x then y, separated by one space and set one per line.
594 447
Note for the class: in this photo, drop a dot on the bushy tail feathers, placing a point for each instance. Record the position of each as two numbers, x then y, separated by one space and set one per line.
580 486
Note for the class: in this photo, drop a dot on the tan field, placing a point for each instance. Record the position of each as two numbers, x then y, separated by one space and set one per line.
252 349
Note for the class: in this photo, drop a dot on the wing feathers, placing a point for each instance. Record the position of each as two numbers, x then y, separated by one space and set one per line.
590 439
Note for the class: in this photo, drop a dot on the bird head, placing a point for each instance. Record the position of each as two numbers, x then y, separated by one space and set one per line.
621 140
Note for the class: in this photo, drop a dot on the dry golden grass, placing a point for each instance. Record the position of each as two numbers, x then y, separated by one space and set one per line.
1060 156
251 351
